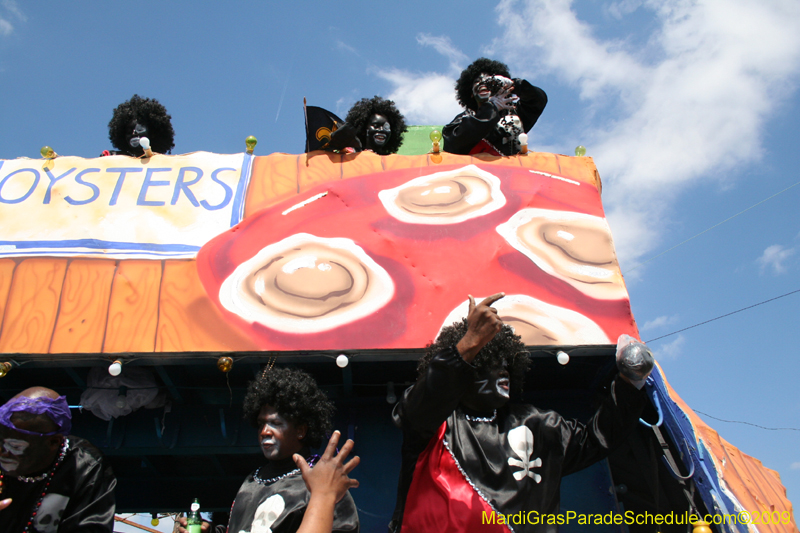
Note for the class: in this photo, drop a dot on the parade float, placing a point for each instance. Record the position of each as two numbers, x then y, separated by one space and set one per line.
151 290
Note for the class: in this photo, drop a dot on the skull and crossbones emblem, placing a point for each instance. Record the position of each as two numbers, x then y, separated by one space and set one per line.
521 442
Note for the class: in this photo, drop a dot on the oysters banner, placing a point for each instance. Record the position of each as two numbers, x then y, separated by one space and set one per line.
385 260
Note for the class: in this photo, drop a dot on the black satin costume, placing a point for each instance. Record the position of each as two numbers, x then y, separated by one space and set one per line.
279 506
80 497
492 130
454 469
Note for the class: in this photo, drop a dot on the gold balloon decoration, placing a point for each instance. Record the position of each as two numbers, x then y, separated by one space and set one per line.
251 143
225 364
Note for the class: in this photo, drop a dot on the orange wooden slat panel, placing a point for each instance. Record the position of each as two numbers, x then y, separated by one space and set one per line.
133 308
82 316
188 320
32 306
7 267
273 178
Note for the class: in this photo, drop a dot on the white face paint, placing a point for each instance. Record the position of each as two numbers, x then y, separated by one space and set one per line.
15 447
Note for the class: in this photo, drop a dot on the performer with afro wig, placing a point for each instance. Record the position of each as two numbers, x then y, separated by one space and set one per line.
292 416
140 117
371 124
498 109
469 453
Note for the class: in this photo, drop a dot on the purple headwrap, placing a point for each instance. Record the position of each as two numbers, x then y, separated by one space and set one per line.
57 410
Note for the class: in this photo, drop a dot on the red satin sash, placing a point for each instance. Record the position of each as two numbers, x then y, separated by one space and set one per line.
441 500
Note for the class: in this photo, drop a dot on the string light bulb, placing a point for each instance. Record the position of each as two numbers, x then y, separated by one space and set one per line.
251 143
342 360
225 364
144 142
523 143
563 357
154 521
115 368
5 368
436 137
580 150
48 153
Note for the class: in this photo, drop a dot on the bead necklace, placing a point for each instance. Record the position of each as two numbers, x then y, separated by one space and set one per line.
481 418
48 476
311 462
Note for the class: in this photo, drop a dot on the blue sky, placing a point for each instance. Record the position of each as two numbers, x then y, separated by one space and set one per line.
690 110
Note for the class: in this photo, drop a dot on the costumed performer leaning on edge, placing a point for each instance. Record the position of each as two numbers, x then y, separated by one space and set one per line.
468 453
498 109
56 482
371 124
292 416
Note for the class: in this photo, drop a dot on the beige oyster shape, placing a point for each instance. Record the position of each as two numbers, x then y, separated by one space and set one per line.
307 284
574 247
539 323
447 197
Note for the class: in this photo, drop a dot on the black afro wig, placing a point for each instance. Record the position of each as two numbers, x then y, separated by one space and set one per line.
149 112
505 346
479 66
296 397
362 111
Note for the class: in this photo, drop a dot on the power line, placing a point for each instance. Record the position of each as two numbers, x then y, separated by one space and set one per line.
712 227
747 423
723 316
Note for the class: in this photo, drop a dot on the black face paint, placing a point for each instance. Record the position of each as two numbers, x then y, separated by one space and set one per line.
378 132
138 131
490 390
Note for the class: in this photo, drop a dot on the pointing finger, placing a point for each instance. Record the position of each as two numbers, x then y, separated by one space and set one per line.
492 299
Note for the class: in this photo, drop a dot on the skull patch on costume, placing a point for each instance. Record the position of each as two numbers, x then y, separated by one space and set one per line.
49 515
521 442
266 514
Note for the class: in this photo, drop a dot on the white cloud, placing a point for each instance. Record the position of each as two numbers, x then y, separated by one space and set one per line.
427 97
424 98
619 9
670 350
688 105
341 45
10 6
795 466
445 47
659 322
774 258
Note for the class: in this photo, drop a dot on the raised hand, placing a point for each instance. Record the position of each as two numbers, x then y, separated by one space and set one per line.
483 324
329 477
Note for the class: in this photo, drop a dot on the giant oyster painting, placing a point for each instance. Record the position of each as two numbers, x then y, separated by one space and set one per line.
381 260
574 247
446 197
539 323
307 284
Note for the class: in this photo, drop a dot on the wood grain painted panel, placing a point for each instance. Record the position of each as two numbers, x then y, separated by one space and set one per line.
6 276
360 164
83 313
316 168
188 320
32 306
133 307
273 179
410 161
578 168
